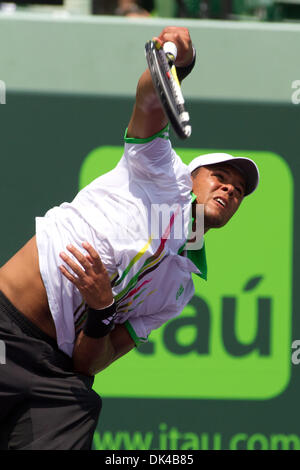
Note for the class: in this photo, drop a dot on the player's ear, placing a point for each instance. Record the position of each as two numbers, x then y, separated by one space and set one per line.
195 172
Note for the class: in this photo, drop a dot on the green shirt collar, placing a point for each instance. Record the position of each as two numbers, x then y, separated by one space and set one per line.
198 257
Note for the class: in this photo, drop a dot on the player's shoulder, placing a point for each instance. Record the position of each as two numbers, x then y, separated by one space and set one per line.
155 158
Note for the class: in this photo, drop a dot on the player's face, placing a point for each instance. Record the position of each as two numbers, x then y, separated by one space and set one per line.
221 189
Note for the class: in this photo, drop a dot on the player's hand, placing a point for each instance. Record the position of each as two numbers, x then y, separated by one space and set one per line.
181 37
91 278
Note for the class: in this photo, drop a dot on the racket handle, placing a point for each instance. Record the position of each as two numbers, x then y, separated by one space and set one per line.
170 49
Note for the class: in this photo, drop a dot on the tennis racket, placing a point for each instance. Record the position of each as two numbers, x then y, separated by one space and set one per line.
163 72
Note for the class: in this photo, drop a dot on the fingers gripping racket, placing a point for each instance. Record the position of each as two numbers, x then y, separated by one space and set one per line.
163 72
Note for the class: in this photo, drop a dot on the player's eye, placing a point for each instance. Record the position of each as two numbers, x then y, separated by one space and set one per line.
220 176
239 190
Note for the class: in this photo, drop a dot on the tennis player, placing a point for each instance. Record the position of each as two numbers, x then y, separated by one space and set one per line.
94 281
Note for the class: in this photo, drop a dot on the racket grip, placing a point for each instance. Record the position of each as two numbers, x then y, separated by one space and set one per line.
170 49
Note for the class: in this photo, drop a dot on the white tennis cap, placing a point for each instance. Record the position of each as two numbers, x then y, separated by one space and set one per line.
244 165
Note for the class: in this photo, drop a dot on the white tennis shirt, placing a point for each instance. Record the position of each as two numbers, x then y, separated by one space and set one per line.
132 216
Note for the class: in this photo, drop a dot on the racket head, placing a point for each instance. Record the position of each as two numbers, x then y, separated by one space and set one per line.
162 80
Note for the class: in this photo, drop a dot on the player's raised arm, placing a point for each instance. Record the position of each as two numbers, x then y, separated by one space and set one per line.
148 117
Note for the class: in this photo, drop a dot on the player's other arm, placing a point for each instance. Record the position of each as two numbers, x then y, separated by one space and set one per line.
148 117
92 354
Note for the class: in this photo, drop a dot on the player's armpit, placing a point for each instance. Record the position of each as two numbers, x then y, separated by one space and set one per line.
91 355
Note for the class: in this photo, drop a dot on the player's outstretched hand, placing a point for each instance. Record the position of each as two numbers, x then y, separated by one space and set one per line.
91 278
181 37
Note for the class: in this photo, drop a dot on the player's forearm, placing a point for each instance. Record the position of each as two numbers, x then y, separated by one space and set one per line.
146 96
148 117
91 355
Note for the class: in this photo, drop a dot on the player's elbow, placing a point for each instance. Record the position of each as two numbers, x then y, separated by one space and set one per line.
91 355
94 366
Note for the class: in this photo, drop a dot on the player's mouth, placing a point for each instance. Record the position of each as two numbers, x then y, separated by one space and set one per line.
221 202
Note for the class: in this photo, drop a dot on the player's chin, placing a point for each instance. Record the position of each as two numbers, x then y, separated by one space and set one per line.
216 219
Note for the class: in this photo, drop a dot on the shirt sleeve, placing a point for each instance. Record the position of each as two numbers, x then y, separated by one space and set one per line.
140 328
154 160
149 158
